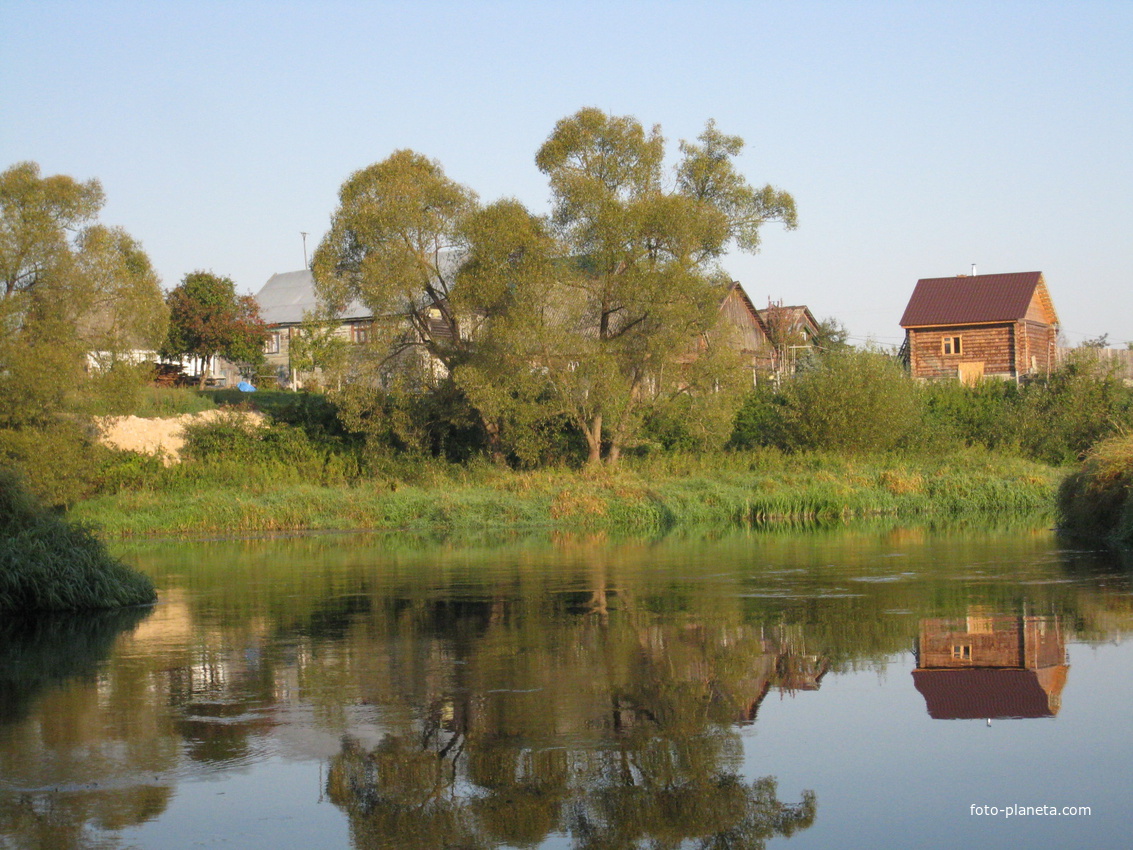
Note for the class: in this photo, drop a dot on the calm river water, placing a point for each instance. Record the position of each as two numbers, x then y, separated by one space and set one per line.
871 687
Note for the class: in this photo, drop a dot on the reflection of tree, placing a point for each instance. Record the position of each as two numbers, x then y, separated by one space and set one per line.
613 725
721 813
399 795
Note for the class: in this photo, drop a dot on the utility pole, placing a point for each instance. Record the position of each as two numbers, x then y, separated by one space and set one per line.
304 235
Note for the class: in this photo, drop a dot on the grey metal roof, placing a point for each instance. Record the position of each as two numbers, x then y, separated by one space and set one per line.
286 296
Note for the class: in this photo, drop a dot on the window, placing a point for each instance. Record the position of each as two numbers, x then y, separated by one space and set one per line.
962 652
359 333
950 345
271 344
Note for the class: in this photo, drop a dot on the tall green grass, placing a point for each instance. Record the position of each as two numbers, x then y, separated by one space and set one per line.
49 564
743 488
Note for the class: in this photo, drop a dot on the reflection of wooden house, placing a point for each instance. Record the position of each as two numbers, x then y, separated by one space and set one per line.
993 666
966 327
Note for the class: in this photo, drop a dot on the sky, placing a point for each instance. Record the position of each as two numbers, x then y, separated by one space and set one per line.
917 138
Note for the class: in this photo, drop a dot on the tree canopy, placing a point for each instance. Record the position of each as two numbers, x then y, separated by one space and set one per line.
596 316
78 299
207 318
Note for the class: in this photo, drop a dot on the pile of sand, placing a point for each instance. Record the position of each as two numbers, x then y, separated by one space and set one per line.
158 436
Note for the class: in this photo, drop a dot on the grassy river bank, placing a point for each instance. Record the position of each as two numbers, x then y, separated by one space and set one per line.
741 488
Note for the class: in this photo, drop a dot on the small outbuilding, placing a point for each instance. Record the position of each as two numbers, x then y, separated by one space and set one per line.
969 326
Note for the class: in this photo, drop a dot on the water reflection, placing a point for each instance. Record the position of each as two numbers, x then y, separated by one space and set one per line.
74 766
580 690
618 730
991 666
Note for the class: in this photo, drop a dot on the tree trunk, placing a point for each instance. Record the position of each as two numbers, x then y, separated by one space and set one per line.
594 440
492 429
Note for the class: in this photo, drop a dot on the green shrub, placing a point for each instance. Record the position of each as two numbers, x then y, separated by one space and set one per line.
48 564
986 414
850 401
1080 404
1097 499
58 461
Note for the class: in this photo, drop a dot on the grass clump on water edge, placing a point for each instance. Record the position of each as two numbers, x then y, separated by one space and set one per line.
50 564
1097 500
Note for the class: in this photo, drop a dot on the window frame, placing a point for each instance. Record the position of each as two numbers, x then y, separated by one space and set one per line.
951 345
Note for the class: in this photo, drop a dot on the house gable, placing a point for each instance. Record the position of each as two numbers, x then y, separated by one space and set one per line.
737 310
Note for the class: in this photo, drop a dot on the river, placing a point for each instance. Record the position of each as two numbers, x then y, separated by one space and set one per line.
868 686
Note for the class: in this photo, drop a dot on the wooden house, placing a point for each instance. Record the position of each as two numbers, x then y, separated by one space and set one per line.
966 327
773 338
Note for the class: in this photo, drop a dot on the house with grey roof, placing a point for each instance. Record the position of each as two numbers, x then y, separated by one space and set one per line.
286 301
289 301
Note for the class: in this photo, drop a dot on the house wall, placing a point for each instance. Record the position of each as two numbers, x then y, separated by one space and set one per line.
1037 346
992 345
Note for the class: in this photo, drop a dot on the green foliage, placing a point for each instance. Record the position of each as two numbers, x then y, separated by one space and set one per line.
436 422
75 294
1097 499
858 401
641 302
37 215
318 347
48 564
390 245
985 414
851 401
1080 404
207 318
58 459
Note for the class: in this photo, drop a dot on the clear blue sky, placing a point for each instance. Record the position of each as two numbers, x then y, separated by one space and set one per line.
918 138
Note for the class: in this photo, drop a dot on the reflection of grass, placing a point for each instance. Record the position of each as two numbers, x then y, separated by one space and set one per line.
45 650
1098 499
752 489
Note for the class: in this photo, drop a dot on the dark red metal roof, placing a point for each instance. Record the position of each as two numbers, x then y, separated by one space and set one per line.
972 299
980 693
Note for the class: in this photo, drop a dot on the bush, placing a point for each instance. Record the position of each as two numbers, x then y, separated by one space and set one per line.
58 462
1062 416
850 401
48 564
986 414
1097 500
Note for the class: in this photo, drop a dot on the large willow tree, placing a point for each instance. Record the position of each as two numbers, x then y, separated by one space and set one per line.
644 285
75 295
596 316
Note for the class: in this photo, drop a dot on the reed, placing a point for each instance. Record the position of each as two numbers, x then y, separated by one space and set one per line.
49 564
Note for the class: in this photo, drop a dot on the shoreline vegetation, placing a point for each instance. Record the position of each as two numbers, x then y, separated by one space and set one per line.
49 564
752 488
1096 501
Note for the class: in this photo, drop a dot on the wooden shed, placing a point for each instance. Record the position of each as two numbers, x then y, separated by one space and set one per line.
1001 325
